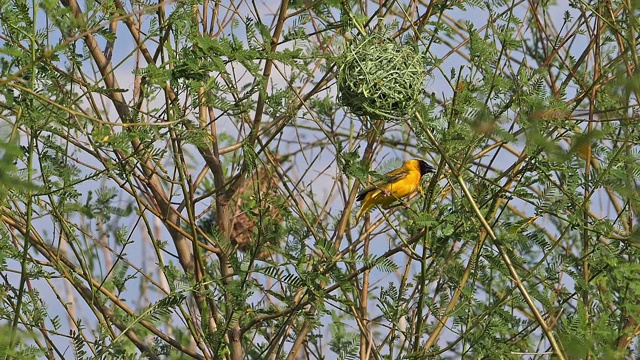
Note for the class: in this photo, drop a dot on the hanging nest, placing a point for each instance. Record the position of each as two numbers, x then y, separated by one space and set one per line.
256 215
380 78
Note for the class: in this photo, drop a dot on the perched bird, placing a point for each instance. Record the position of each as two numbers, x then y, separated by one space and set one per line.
393 185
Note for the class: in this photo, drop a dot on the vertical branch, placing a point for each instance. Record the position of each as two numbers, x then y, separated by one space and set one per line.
505 257
365 345
442 321
223 210
586 246
152 180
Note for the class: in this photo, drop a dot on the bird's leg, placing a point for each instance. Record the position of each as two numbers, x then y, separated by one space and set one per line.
398 204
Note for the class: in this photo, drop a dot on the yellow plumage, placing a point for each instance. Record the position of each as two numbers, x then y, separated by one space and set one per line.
393 185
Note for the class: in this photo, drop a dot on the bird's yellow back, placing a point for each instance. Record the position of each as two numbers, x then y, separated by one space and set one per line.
407 185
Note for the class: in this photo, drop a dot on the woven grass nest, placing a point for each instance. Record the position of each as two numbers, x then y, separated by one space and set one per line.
380 78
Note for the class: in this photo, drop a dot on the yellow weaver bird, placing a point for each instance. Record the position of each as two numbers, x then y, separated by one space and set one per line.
393 185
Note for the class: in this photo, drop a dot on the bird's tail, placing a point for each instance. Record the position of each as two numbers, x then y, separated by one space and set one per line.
363 210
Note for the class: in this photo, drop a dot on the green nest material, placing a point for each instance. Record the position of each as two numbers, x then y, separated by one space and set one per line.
380 78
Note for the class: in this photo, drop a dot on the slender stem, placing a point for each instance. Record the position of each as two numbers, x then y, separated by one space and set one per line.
505 257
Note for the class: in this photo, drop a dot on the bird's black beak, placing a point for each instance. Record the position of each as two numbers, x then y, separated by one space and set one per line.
424 167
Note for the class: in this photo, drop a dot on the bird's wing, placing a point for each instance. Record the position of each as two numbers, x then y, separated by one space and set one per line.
388 178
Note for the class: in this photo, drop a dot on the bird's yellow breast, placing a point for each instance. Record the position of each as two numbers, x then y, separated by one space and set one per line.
406 186
394 191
